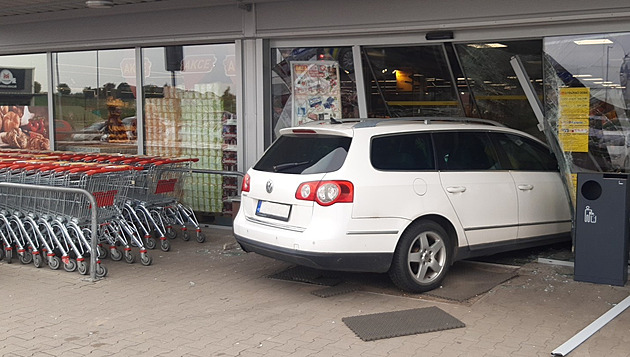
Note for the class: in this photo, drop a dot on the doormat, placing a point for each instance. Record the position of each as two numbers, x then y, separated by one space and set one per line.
466 280
401 323
307 275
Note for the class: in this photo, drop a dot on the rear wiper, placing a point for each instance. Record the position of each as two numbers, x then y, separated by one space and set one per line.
289 165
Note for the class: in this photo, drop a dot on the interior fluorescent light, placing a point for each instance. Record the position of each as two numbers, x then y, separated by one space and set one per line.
582 76
99 4
487 45
594 41
592 79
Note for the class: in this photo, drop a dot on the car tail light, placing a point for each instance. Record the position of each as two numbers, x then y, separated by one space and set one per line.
245 186
326 193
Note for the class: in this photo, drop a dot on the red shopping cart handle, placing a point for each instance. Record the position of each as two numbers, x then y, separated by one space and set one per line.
108 169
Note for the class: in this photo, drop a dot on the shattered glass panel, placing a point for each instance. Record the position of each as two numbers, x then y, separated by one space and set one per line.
495 91
595 67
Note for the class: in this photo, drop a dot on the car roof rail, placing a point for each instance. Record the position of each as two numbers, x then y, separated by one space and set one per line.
462 119
370 122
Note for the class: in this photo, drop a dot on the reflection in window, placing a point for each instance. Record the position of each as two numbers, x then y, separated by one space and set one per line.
496 92
408 82
190 110
95 96
587 98
312 83
24 102
524 154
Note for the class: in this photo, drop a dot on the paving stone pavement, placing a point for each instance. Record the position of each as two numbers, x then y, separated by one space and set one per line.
211 299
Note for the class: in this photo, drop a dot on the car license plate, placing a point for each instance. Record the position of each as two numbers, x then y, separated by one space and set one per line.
273 210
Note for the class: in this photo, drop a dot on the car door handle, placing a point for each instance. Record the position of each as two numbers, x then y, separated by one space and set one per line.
456 189
525 187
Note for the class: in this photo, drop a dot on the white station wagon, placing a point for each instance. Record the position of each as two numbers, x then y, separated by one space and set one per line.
408 197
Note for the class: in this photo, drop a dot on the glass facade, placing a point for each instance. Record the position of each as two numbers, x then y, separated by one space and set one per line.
188 100
433 80
586 99
190 111
188 97
95 93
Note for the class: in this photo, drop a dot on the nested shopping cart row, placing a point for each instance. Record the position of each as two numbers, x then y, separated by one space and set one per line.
153 200
136 198
52 226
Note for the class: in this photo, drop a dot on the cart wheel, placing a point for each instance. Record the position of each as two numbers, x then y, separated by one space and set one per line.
114 253
171 233
201 237
129 258
102 252
185 235
165 245
101 271
71 265
82 267
37 260
150 242
26 257
145 259
54 263
8 254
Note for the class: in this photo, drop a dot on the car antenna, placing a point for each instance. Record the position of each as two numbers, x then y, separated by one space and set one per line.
334 121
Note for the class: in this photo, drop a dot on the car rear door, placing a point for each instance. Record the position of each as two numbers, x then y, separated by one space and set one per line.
543 204
482 194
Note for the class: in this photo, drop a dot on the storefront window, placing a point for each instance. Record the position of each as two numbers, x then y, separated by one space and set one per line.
190 111
95 96
24 102
408 81
587 99
495 92
312 83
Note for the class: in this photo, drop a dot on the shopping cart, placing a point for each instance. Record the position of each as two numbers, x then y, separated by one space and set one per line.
153 203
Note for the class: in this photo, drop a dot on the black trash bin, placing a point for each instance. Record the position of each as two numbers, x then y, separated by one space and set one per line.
601 228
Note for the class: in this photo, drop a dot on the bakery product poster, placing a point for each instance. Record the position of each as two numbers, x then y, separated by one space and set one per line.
316 91
23 127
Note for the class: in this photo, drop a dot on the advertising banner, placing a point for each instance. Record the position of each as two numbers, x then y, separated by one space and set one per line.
24 127
316 91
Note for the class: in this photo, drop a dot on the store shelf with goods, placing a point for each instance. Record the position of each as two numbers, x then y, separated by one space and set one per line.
229 161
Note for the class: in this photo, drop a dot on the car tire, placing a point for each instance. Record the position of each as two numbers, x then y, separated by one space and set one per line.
422 257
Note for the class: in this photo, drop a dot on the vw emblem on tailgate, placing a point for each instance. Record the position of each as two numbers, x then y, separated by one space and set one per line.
269 186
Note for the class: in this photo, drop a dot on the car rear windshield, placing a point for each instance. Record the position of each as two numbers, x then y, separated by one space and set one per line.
305 154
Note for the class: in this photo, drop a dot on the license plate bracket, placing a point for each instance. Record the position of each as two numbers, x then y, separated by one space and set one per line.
273 210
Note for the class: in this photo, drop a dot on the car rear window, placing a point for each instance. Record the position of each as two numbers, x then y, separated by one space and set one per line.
305 154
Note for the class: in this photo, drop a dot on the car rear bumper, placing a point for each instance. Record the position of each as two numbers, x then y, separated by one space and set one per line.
357 262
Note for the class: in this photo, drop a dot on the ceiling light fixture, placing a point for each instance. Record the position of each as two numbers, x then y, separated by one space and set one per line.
487 45
594 41
99 4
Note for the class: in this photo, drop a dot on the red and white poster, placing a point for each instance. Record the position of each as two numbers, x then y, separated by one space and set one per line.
316 91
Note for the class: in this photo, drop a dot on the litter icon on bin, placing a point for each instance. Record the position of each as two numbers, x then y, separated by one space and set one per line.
589 215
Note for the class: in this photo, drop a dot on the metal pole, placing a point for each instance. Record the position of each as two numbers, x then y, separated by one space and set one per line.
94 252
589 330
